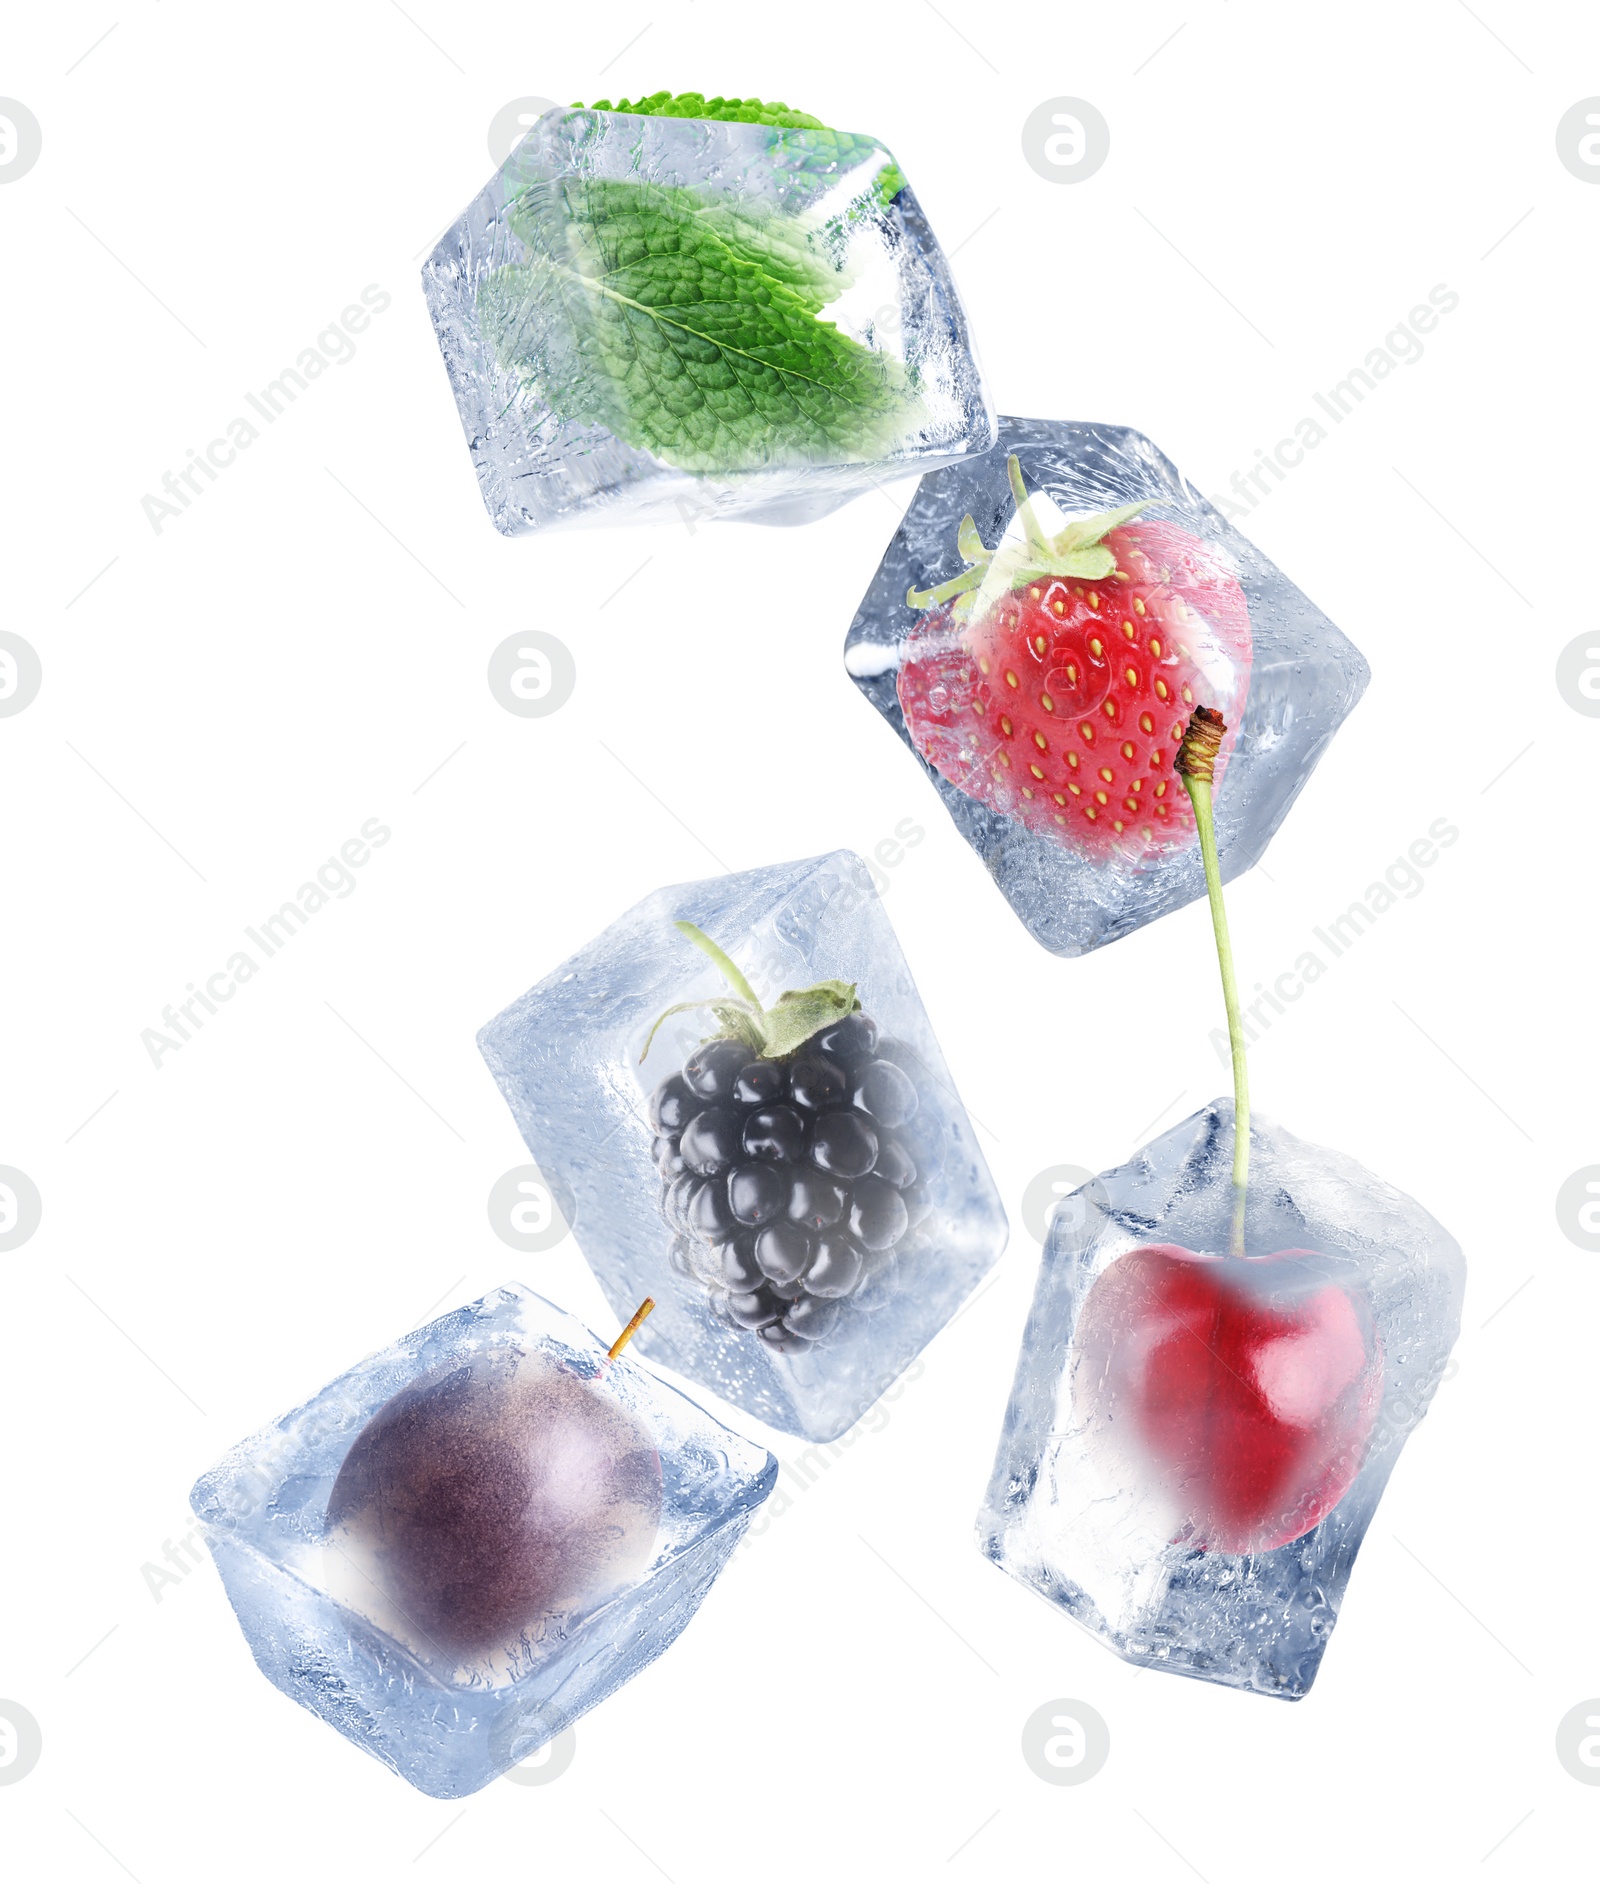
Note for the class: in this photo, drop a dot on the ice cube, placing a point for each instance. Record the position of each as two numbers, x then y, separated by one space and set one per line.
474 1536
1048 715
830 351
808 1221
1194 1448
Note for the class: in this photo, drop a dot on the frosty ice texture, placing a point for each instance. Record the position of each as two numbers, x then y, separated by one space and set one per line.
845 221
450 1711
1068 1515
566 1057
1305 676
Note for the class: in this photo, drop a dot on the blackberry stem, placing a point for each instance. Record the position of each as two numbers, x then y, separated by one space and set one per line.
730 973
1196 763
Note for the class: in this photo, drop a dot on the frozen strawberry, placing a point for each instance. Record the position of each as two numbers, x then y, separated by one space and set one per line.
1052 682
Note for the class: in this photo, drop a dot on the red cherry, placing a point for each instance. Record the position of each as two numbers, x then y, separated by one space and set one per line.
1251 1384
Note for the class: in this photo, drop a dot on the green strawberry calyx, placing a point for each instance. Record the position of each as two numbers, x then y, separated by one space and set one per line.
1076 550
772 1032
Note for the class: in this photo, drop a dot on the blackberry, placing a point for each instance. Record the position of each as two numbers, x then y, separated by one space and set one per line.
794 1164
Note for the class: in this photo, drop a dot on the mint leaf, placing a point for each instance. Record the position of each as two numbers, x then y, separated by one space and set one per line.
721 110
829 154
688 327
763 237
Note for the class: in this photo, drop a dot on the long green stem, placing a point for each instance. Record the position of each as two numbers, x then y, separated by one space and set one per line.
1197 782
735 980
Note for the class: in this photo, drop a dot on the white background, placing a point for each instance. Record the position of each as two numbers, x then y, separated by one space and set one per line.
305 648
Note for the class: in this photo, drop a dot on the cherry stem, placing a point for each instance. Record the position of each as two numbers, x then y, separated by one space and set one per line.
632 1328
730 973
1196 763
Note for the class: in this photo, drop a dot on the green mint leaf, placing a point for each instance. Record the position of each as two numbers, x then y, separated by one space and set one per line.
688 327
764 238
720 110
813 161
891 181
819 158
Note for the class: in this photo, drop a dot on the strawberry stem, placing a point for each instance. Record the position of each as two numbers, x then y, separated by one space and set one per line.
730 973
1034 536
1196 763
1076 551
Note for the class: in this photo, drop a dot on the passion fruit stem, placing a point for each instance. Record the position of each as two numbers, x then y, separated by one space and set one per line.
1196 765
632 1328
